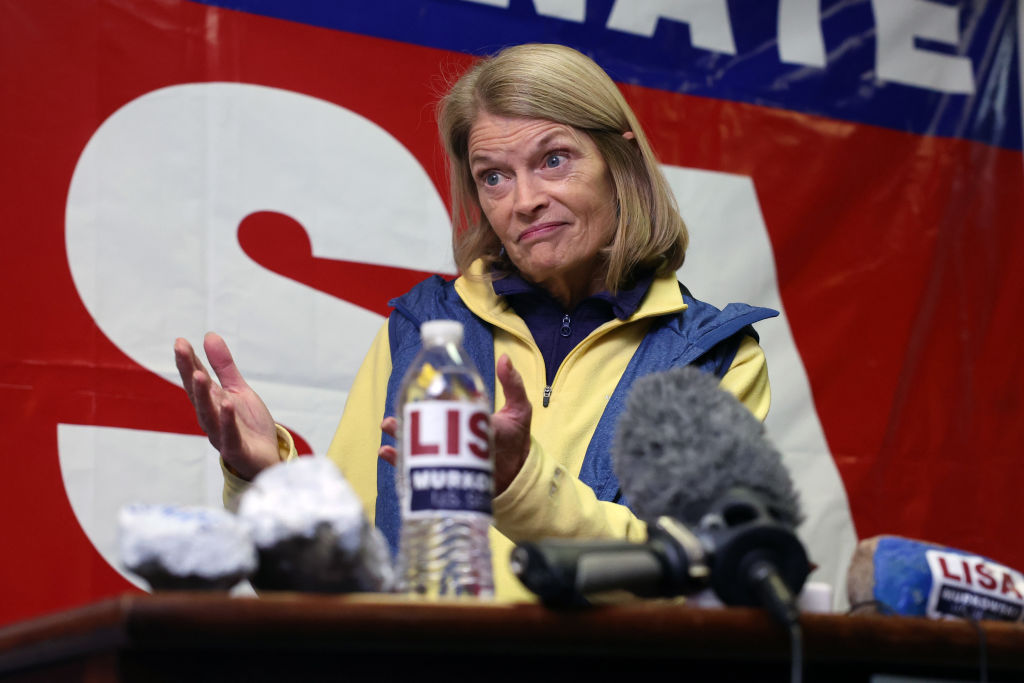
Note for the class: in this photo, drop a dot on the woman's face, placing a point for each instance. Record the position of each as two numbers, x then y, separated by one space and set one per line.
547 192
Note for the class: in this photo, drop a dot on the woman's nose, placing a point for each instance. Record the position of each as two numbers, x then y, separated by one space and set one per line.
530 194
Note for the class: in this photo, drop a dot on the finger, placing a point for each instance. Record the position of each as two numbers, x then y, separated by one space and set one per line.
516 402
390 427
230 437
388 454
190 354
222 362
187 363
232 449
206 405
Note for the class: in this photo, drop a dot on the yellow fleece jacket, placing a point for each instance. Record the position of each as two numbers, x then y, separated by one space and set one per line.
546 499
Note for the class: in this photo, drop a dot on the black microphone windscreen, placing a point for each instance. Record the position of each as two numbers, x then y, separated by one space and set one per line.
682 443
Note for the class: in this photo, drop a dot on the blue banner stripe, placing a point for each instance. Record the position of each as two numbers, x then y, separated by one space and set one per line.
848 31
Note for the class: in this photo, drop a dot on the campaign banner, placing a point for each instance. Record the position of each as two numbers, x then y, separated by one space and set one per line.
270 170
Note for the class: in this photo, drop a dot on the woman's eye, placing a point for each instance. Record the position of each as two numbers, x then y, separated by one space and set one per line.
554 160
491 179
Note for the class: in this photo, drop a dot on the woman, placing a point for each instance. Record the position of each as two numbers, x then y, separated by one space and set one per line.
567 238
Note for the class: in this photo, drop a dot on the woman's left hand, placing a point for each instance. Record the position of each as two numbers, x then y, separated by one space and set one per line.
510 426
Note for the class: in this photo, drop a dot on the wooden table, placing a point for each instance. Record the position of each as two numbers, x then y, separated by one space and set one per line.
291 637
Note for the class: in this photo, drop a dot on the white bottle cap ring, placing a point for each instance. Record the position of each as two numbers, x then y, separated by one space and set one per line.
441 331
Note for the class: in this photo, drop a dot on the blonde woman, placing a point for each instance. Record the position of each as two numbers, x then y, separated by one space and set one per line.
567 239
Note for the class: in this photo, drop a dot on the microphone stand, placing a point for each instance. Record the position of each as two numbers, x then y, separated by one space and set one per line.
758 562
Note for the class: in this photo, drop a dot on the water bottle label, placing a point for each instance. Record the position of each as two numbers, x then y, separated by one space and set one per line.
447 457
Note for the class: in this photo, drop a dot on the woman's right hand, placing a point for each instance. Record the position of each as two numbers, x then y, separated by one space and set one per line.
510 427
231 413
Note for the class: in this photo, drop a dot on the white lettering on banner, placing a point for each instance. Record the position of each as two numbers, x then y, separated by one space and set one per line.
151 232
722 211
106 468
568 10
800 37
898 59
708 20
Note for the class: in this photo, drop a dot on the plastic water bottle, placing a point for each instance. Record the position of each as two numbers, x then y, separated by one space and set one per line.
445 470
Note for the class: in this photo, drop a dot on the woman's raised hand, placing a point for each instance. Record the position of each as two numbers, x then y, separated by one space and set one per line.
510 426
231 413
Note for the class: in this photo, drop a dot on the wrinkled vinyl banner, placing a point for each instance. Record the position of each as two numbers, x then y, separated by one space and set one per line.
269 169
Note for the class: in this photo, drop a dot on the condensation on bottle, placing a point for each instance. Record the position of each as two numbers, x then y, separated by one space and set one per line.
445 471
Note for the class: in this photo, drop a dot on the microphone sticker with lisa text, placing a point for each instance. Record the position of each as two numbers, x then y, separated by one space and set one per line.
973 587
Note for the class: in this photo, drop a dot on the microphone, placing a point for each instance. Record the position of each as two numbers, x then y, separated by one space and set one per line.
682 442
563 571
691 457
896 575
310 532
685 447
757 560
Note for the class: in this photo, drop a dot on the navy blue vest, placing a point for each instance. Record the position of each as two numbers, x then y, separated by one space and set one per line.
701 335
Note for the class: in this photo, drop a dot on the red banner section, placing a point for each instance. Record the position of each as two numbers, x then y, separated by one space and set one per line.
894 255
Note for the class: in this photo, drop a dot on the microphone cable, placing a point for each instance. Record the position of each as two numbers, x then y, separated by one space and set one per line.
796 652
778 600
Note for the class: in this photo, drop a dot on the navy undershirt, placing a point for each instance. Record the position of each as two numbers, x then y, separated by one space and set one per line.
557 331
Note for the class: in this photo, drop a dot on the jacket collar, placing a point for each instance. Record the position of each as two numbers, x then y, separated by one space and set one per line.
623 304
474 287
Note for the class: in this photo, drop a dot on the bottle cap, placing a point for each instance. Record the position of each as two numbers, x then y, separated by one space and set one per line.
816 596
441 331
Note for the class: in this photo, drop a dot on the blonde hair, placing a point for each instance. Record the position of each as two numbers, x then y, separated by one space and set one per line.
559 84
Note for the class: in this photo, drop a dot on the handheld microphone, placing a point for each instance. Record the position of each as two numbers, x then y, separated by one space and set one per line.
895 575
310 532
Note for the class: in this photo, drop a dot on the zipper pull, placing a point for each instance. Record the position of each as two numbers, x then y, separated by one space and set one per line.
547 395
566 330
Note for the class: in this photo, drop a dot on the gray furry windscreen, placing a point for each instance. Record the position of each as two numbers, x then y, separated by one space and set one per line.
682 442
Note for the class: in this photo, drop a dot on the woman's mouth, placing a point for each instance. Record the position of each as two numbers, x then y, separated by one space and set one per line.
538 230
